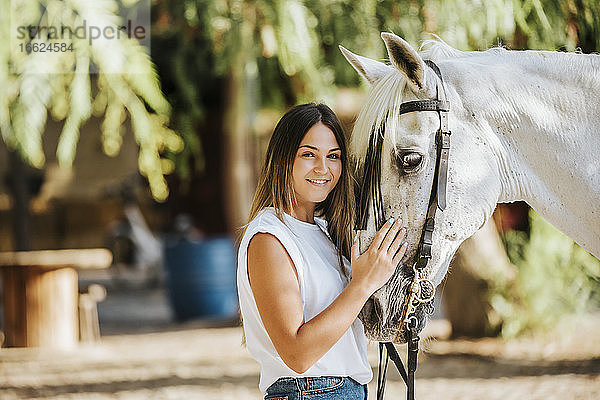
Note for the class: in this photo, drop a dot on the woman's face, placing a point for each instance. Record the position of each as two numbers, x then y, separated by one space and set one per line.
317 166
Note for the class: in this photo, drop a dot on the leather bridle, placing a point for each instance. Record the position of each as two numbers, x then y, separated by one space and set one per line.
421 290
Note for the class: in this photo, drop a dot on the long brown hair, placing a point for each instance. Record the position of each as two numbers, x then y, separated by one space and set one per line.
275 188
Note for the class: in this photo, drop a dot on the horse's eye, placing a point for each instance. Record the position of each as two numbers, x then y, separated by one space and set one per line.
409 161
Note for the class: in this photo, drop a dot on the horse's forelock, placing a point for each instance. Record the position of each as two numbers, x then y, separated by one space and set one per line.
381 107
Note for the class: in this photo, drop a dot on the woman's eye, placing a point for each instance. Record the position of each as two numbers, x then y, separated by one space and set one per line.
307 155
409 161
334 156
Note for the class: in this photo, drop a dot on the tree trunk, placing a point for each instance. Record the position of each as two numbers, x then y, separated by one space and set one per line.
480 263
237 166
18 185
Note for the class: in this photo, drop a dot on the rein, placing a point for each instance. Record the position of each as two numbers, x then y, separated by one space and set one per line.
421 290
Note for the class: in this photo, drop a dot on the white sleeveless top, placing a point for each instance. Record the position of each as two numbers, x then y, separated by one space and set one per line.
315 257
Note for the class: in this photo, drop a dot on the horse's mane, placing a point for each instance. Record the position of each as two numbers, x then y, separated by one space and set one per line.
437 50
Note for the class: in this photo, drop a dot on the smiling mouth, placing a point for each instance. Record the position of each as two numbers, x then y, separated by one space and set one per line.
318 181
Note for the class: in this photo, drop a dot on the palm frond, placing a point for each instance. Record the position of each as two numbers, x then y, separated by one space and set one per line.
79 110
142 77
33 83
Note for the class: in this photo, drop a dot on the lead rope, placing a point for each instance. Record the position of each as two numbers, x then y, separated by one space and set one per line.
418 293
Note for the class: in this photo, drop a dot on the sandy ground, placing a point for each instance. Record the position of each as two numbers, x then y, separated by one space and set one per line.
190 361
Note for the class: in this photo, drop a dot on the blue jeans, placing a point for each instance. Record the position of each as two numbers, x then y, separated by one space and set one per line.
321 388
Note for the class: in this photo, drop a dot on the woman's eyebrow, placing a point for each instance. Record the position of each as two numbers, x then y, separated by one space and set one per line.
309 146
317 149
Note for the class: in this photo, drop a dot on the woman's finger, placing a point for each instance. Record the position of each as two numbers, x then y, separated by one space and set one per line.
397 241
380 235
390 237
400 253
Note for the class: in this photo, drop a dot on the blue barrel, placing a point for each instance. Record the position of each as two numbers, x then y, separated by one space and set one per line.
201 278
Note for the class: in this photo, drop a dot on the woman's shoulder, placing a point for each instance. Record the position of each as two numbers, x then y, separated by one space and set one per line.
266 217
267 221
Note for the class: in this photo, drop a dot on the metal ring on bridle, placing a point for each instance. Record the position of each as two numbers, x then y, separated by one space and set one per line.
412 322
431 293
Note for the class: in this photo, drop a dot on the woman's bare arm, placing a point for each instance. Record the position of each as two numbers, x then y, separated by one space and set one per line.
274 283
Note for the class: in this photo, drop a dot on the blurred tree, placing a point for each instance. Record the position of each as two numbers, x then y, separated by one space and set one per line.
63 83
261 53
557 281
234 57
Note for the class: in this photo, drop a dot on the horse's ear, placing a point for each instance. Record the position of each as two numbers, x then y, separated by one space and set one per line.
370 70
405 59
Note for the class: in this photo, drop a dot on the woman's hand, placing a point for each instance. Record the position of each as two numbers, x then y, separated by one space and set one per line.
374 267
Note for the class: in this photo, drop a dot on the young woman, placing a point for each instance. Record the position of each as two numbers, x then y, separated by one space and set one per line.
298 302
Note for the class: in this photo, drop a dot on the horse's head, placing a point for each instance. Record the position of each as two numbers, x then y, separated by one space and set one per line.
408 163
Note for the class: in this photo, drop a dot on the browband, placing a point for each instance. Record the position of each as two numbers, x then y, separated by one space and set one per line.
424 105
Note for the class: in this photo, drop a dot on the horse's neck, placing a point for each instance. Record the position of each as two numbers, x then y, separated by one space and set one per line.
542 109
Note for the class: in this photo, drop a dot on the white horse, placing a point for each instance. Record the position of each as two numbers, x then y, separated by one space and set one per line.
525 126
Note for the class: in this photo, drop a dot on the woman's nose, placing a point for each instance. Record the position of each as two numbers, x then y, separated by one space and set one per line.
320 165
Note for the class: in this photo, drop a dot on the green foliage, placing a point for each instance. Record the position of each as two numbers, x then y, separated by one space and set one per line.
557 279
286 51
60 82
559 24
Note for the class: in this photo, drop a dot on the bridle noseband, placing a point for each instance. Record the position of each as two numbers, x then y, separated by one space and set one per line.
421 290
